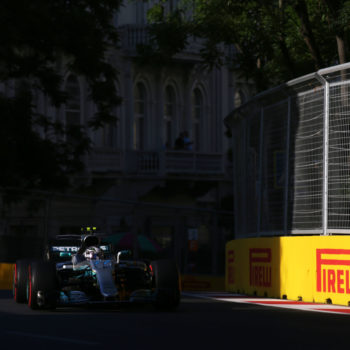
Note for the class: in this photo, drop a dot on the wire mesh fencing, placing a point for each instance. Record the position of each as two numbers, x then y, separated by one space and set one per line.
291 147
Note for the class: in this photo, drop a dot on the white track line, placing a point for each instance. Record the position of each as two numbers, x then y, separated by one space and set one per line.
279 303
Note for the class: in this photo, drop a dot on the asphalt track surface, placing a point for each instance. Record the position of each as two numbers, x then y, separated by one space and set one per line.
199 323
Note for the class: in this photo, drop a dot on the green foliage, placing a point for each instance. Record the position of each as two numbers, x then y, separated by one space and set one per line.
275 40
168 36
29 160
40 42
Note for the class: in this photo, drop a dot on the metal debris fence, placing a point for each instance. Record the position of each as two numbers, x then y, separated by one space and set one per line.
291 149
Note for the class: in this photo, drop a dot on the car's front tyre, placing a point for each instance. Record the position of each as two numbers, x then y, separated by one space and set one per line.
166 283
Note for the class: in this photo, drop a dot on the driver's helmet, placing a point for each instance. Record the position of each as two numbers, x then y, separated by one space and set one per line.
93 253
90 241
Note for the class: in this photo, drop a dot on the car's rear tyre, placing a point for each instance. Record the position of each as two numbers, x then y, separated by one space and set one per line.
166 284
42 288
20 281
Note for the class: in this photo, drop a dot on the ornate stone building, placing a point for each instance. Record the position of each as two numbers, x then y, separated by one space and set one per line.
134 162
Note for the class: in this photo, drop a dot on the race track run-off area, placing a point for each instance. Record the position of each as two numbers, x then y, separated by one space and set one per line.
279 303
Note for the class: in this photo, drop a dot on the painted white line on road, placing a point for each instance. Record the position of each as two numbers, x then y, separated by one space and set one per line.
279 303
47 337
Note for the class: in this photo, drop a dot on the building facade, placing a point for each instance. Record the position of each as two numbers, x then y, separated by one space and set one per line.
136 179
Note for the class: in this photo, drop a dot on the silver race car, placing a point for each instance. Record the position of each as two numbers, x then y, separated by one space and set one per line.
80 270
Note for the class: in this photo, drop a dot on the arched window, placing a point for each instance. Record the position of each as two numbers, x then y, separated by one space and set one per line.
169 122
140 116
110 132
72 105
197 117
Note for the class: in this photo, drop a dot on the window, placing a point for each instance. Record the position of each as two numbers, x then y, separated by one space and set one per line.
197 118
110 134
169 116
140 115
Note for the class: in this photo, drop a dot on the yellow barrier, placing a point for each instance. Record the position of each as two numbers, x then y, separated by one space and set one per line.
312 268
6 275
202 283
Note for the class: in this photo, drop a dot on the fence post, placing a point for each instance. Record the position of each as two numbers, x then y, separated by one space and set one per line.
286 185
235 184
261 153
243 185
325 84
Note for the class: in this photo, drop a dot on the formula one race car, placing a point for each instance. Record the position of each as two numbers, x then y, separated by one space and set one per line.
80 270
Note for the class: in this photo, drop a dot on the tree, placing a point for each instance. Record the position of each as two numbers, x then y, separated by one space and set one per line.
338 16
275 40
40 41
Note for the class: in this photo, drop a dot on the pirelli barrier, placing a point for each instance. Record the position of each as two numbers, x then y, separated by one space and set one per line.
202 283
312 269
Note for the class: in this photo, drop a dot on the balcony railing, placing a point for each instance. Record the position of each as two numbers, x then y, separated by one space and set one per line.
156 163
193 162
132 35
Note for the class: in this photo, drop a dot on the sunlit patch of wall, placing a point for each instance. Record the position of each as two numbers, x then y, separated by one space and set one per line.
308 268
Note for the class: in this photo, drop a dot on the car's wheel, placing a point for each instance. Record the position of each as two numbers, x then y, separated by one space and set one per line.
166 284
42 288
20 281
